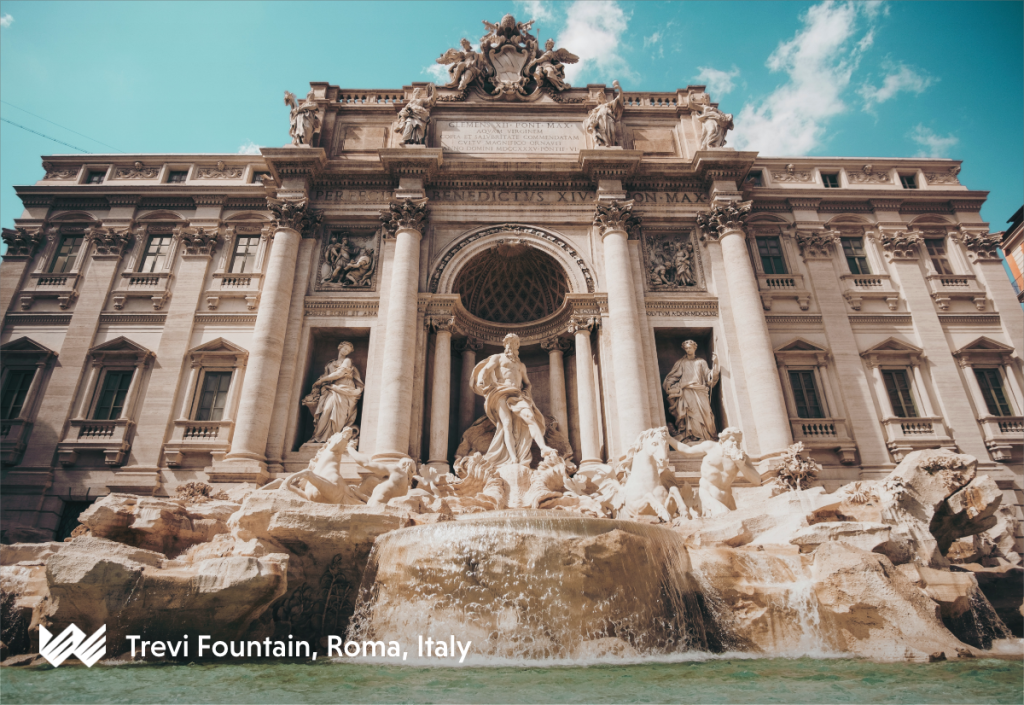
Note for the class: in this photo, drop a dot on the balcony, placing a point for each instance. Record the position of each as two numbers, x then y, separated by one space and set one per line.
135 285
1002 433
234 286
857 287
113 438
213 437
783 286
907 435
945 287
44 285
827 434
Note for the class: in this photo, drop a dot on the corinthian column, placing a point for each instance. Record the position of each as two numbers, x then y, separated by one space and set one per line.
440 395
403 220
724 224
615 222
556 347
467 397
590 438
247 459
22 244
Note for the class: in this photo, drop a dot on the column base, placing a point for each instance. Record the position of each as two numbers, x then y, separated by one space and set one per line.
240 470
136 481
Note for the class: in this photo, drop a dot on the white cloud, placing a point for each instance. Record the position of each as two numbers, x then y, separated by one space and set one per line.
819 61
6 21
899 77
653 39
717 82
932 145
249 147
594 32
438 73
536 10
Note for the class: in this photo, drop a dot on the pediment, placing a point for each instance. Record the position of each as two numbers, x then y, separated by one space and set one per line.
892 345
219 345
801 345
120 345
984 344
25 344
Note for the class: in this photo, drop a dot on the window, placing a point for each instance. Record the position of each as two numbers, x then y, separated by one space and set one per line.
67 254
991 383
908 180
95 177
156 254
830 180
244 258
805 394
754 178
898 388
856 258
113 395
16 388
177 177
213 396
770 250
937 254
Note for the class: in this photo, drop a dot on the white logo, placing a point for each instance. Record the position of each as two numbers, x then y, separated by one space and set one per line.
72 641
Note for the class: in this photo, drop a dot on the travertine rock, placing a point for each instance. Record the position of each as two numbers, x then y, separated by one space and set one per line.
866 536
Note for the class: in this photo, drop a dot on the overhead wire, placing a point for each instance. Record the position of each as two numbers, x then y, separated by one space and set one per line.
16 107
46 136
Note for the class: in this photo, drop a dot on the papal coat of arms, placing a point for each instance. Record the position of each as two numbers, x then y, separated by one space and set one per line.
510 63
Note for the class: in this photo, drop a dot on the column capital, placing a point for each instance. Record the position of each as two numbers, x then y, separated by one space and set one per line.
900 244
22 242
579 324
468 345
109 241
980 243
197 240
723 217
442 324
408 214
555 343
617 216
816 244
294 214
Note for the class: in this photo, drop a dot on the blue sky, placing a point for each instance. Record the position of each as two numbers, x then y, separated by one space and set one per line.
887 79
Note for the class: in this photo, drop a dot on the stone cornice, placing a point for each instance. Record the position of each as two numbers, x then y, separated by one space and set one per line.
608 163
411 161
295 162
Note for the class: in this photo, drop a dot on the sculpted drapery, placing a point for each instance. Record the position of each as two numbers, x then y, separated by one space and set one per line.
688 388
334 396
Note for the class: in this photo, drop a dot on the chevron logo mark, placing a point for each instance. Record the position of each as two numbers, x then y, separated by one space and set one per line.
72 641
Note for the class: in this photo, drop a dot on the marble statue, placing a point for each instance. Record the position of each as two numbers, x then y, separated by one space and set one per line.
603 121
413 118
464 66
714 124
322 480
502 381
334 396
672 265
304 119
337 255
647 490
397 476
723 460
358 271
688 388
549 67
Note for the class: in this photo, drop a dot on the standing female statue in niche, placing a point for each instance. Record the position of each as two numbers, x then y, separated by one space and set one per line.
334 396
688 388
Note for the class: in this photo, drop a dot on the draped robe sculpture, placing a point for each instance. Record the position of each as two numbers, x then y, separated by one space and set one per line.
334 396
688 388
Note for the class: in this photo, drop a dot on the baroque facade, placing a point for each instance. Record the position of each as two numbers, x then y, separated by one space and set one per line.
172 318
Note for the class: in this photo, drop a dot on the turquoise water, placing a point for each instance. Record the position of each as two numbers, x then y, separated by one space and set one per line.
723 680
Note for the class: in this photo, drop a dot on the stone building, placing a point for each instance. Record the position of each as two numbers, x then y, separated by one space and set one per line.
165 315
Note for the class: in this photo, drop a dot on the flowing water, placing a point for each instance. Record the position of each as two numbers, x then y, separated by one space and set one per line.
696 679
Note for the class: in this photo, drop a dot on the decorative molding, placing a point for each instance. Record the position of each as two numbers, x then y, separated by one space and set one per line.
617 216
723 217
197 241
151 318
901 245
672 262
220 171
60 173
976 319
225 318
94 203
867 175
167 203
108 241
124 199
946 177
900 319
138 171
252 204
404 214
811 319
361 308
40 319
361 241
980 245
791 175
699 308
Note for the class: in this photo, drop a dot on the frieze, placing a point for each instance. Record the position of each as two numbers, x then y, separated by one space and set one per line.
157 318
867 175
138 171
705 308
791 175
845 206
124 199
259 204
354 195
643 197
510 196
220 171
348 259
986 319
81 204
511 229
362 308
939 207
60 173
181 202
800 320
895 320
225 318
947 177
38 319
672 261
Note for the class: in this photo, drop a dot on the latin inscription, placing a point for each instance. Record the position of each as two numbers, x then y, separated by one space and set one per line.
508 196
491 136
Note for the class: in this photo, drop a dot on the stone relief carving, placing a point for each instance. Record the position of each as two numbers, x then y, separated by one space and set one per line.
294 213
138 171
948 177
303 119
791 175
617 215
197 241
688 389
722 217
817 244
108 241
220 171
22 242
603 121
335 394
414 117
868 175
508 402
404 214
62 173
671 262
348 261
714 124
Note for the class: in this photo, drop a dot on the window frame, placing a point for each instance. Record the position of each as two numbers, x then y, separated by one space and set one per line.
26 400
162 261
197 397
171 173
100 390
908 377
942 263
827 176
812 374
251 254
781 256
56 255
865 267
912 180
986 391
754 179
90 175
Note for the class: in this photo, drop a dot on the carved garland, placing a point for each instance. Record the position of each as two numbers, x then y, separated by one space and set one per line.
512 229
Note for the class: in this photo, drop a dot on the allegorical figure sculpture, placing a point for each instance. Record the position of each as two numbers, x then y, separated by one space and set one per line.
713 126
304 119
322 480
688 388
549 66
723 460
603 121
464 66
672 265
413 118
397 477
502 381
334 396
